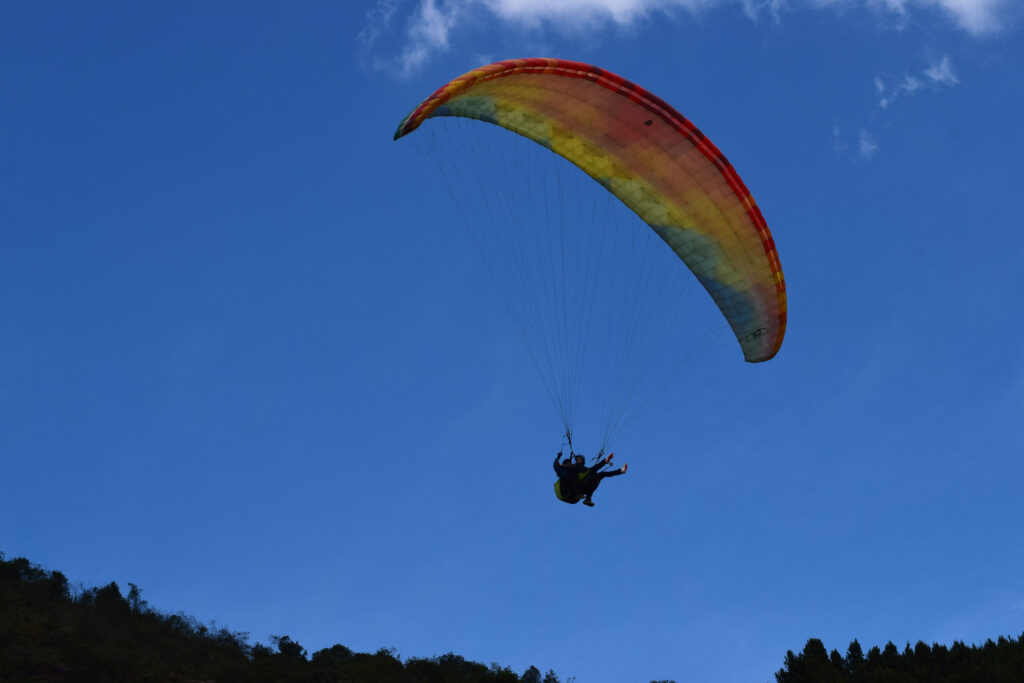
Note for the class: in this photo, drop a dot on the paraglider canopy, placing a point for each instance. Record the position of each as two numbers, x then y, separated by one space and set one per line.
654 160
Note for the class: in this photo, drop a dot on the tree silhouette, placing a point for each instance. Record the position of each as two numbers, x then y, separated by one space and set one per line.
50 633
1000 661
531 675
854 661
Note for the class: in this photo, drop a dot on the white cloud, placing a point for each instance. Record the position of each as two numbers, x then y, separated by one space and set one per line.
378 23
938 75
617 11
974 16
977 17
941 73
430 25
838 144
865 147
754 8
427 33
866 144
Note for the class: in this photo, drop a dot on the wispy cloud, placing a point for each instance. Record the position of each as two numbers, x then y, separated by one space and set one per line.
617 11
938 75
974 16
378 24
866 144
428 27
426 33
755 8
941 73
865 147
977 17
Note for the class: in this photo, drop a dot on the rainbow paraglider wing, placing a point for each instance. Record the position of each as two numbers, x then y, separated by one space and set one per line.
652 158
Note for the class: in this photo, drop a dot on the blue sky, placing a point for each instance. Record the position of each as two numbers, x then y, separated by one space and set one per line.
250 360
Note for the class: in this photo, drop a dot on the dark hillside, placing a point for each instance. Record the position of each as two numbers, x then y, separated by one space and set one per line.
50 631
1001 661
